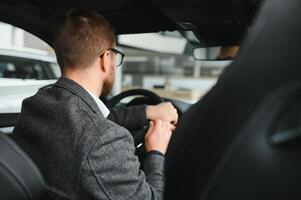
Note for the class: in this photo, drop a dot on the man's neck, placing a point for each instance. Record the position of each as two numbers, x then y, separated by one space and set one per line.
86 80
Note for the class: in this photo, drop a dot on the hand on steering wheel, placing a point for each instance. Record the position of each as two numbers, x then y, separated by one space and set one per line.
152 98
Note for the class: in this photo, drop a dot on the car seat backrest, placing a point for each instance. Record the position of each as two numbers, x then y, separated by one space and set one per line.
233 144
19 177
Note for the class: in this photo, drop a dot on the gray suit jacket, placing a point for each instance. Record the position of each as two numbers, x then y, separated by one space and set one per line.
81 154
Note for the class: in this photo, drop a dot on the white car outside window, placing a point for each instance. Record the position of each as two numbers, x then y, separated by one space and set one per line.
22 72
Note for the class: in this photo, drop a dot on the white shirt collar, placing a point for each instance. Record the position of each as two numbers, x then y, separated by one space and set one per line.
103 108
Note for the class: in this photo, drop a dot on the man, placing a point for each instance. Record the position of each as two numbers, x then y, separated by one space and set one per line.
81 154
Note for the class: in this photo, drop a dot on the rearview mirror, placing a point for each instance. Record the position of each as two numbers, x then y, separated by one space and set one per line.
215 53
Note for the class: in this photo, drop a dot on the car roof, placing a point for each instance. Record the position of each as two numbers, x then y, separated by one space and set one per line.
213 21
27 53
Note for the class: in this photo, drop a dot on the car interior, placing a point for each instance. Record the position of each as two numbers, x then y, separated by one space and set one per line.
241 140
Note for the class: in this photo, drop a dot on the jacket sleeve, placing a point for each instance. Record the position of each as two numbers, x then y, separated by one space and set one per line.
111 170
132 118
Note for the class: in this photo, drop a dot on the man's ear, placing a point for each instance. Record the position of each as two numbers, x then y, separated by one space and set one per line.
105 62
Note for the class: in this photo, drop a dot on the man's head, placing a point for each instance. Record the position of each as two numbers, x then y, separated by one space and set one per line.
81 40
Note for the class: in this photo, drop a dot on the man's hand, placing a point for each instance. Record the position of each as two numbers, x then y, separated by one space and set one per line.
158 136
163 111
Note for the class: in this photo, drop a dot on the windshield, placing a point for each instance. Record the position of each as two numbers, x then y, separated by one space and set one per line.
163 62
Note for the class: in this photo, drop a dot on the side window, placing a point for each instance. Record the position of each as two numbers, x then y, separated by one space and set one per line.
25 56
26 64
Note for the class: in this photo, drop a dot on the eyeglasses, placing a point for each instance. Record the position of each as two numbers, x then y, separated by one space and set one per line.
118 56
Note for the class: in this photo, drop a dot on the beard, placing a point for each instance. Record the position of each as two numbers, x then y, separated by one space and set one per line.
108 85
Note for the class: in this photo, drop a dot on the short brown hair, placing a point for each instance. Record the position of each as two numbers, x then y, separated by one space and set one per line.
80 37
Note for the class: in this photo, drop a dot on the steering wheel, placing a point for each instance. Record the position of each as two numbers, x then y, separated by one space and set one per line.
152 99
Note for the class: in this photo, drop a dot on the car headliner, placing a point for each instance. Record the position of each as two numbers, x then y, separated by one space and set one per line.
213 21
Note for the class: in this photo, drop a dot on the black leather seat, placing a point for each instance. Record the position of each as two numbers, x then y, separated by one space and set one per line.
20 179
242 141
